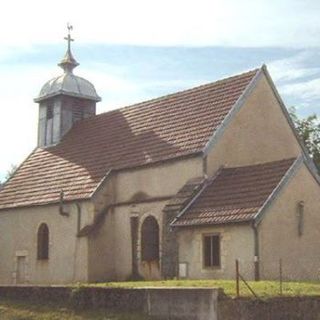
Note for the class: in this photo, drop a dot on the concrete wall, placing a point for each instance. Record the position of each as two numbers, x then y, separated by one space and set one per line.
259 132
183 303
278 232
18 242
237 242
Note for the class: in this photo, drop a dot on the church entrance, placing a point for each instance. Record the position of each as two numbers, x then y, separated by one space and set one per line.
150 255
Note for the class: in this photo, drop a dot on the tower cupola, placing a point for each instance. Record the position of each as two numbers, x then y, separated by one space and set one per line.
64 100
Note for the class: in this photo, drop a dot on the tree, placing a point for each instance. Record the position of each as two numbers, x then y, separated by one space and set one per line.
9 174
11 171
309 131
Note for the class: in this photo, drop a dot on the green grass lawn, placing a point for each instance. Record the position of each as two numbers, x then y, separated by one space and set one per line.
261 288
15 310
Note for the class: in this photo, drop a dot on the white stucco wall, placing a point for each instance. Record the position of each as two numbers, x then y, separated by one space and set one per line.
258 133
278 232
237 242
67 254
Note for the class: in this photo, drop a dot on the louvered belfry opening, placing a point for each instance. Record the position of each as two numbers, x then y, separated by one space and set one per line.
150 240
43 242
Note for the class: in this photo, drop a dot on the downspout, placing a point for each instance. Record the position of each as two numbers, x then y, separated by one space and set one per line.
61 208
78 216
256 252
74 278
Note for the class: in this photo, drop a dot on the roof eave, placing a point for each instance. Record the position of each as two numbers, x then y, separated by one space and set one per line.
47 203
67 93
244 221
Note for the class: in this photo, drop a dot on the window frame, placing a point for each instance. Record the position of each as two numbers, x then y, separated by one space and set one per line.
204 236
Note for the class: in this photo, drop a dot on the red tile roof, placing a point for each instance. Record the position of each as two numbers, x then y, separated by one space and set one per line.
235 194
168 127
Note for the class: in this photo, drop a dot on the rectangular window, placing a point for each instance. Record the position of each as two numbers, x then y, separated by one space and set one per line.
211 251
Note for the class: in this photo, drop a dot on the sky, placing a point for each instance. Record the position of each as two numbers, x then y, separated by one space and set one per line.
136 50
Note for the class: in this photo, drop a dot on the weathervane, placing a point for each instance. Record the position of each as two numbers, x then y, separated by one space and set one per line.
68 63
68 38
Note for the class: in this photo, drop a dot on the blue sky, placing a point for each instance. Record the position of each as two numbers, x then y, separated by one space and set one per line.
133 51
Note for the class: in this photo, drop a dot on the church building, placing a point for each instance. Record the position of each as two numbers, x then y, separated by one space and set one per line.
176 187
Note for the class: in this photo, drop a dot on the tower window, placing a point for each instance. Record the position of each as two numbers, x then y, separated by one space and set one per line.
43 242
49 112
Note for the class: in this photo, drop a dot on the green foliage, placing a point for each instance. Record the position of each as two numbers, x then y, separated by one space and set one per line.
9 174
11 171
309 131
262 288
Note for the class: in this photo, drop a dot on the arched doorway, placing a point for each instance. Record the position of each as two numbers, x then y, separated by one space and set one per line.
150 248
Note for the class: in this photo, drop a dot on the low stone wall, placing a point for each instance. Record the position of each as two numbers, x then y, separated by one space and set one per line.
278 308
80 297
171 303
162 303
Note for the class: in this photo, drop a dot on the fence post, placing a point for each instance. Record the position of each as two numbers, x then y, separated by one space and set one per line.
280 276
237 279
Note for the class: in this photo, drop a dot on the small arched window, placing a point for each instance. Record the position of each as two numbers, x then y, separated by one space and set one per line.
43 242
150 239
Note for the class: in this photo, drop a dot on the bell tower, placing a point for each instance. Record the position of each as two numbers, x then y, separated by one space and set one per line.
64 100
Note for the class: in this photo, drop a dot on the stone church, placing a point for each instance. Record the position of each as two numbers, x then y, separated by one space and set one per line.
176 187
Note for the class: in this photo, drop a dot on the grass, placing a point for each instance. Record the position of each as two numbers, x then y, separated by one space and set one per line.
261 288
17 310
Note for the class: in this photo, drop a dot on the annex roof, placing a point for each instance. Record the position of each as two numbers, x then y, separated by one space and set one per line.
176 125
234 194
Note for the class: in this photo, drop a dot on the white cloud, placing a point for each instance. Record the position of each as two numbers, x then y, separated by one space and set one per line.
165 22
298 80
294 67
307 90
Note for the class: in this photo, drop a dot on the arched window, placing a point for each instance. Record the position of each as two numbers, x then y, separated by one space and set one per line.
43 242
150 239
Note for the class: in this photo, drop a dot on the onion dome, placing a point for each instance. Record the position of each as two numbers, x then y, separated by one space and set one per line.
68 83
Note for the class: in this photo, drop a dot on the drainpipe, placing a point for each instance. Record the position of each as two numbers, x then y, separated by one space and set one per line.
256 252
61 211
78 217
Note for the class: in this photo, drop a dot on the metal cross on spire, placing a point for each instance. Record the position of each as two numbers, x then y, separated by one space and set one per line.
68 62
68 38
